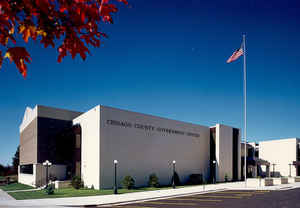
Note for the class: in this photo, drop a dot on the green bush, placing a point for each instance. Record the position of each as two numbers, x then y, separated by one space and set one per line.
153 181
76 182
226 177
195 179
50 189
128 182
52 177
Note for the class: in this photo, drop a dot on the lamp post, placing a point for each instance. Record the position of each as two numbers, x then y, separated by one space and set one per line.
47 164
214 173
173 181
273 169
290 170
115 184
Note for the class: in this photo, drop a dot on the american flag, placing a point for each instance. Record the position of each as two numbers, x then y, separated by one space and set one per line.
236 54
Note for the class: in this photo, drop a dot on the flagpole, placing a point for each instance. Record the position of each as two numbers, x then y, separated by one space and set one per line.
245 108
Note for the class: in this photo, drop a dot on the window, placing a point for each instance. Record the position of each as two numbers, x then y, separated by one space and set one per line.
250 152
257 153
27 169
298 151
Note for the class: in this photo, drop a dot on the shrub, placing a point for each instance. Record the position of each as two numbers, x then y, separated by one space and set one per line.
52 177
92 187
153 180
76 182
195 179
226 177
128 182
50 189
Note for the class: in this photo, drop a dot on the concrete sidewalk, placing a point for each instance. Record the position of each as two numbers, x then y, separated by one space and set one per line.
137 196
25 190
5 196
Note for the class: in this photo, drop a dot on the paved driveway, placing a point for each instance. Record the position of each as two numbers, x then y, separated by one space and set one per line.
226 199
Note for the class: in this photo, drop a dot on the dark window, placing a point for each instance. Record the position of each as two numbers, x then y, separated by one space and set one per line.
212 154
27 169
250 152
235 145
256 153
298 152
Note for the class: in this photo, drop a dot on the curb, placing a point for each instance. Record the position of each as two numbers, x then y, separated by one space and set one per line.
146 199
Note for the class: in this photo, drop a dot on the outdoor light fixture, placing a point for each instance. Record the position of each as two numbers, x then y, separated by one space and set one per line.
115 186
47 164
173 181
290 169
273 169
214 167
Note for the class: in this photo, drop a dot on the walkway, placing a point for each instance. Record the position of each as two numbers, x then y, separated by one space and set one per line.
137 196
36 189
5 197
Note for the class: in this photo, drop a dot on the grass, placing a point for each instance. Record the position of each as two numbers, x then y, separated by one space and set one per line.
65 192
15 186
71 192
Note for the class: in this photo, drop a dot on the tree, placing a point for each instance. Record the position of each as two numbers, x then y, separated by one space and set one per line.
16 159
69 25
2 170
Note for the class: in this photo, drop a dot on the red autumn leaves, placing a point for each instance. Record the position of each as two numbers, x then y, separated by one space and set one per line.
71 25
19 55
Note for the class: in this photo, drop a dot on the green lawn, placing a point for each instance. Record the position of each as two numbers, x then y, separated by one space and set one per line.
71 192
66 192
15 186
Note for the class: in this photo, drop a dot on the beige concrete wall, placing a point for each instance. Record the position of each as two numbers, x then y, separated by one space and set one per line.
224 145
46 112
56 113
62 184
39 171
28 117
90 146
281 152
29 130
28 143
38 178
223 152
28 179
146 146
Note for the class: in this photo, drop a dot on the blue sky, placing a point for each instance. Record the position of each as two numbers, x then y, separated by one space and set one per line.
168 58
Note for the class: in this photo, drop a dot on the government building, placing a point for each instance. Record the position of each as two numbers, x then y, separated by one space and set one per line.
273 158
86 144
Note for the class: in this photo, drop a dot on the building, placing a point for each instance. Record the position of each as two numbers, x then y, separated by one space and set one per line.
283 156
86 144
40 133
256 166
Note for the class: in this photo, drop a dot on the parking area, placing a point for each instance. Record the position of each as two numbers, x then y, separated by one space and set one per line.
225 199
